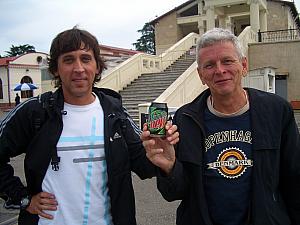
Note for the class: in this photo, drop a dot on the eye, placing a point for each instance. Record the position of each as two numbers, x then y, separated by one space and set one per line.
208 66
68 60
228 61
86 59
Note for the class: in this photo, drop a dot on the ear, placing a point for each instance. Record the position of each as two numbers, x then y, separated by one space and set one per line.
245 66
200 76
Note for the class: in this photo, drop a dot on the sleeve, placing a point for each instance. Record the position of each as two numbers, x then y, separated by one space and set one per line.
175 185
290 166
14 136
139 162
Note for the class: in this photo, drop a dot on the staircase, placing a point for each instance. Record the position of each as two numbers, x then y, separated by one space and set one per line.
148 87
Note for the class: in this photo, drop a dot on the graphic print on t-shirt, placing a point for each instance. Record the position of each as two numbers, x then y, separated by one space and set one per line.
231 163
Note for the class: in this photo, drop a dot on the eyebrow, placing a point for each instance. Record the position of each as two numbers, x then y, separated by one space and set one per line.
69 55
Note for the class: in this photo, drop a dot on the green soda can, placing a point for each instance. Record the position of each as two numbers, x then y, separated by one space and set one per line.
157 119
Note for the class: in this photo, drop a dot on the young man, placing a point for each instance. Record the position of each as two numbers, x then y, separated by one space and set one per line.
80 145
237 161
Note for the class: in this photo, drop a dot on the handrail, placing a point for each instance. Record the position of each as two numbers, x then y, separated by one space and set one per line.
141 63
278 35
246 36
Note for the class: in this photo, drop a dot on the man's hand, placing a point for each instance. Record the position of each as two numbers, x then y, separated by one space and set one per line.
160 151
40 202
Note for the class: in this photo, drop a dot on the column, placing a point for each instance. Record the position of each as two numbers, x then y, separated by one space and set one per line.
210 15
201 26
222 21
263 20
254 15
228 23
200 17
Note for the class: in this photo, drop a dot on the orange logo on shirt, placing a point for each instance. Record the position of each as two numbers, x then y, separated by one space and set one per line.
231 163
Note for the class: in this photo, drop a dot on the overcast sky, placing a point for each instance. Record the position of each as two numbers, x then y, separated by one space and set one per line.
113 22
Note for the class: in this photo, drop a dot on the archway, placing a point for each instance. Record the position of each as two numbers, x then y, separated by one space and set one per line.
26 94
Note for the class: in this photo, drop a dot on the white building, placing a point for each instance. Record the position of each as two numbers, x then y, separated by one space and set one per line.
20 69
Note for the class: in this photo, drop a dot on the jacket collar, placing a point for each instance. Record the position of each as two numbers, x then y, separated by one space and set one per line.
109 99
197 106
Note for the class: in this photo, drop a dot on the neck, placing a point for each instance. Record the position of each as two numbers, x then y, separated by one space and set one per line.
230 105
80 100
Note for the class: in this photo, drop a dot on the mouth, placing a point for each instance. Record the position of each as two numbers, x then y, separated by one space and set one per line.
222 81
79 79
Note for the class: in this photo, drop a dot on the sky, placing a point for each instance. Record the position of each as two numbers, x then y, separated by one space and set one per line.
113 22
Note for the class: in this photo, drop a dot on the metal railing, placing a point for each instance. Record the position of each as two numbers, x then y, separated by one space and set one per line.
278 35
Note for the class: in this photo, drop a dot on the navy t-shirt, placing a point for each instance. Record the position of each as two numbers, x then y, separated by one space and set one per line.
228 162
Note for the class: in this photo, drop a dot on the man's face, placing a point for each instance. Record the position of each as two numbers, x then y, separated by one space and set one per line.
221 69
77 70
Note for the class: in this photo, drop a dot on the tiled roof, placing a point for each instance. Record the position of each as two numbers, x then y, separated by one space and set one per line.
118 51
6 60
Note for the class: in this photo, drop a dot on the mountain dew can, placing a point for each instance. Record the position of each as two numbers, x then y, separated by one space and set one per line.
157 119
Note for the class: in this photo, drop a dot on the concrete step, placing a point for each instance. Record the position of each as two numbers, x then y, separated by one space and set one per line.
151 82
142 90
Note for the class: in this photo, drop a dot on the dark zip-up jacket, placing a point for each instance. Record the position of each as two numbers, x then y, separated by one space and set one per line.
123 154
275 197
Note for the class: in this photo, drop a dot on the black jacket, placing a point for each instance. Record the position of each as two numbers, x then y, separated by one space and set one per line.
276 163
18 135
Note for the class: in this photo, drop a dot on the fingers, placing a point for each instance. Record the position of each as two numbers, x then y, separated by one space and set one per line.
145 134
45 215
172 134
41 202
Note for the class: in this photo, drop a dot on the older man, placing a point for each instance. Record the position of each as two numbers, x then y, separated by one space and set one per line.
237 161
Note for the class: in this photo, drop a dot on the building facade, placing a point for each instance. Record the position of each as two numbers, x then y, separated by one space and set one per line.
198 16
20 69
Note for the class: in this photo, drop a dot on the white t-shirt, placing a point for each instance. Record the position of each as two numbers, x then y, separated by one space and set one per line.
80 184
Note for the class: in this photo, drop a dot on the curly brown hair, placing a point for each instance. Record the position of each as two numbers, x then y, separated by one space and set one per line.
71 40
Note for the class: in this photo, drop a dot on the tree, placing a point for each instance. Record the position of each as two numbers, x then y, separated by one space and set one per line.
19 50
146 43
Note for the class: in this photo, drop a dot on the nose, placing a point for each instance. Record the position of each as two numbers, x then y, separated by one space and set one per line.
219 68
78 66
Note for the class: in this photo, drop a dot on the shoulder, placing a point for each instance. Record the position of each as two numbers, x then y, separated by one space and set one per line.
263 98
109 99
108 93
269 104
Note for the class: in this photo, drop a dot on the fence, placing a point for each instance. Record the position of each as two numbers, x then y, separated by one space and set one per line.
278 35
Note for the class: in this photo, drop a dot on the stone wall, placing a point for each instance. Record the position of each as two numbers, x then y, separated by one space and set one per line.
167 33
277 16
282 55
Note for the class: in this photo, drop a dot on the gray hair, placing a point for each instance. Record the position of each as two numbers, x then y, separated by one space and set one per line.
217 35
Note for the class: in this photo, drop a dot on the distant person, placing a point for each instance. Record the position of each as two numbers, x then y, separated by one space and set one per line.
17 99
238 158
80 144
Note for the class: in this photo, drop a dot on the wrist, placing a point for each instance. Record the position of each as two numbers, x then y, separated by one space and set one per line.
25 202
